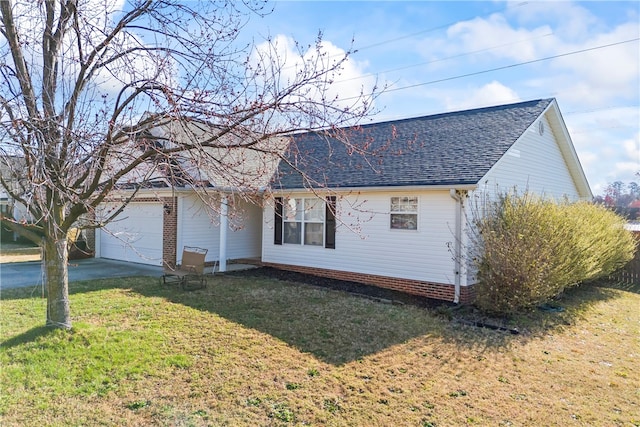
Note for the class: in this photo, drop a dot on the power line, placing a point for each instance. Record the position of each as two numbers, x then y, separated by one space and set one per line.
411 35
443 59
440 27
509 66
593 110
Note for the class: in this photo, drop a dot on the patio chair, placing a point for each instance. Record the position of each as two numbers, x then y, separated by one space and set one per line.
190 274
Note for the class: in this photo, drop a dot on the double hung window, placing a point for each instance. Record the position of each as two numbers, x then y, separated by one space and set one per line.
305 221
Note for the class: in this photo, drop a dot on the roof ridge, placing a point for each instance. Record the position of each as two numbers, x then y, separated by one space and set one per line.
440 115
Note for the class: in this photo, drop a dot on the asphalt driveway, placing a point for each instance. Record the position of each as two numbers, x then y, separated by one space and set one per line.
24 274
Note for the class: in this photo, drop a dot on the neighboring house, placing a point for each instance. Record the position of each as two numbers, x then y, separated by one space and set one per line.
397 217
11 168
633 211
6 205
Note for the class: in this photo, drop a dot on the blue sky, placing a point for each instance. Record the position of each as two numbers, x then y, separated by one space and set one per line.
424 51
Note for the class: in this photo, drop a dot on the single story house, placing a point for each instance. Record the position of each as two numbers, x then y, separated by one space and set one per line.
389 208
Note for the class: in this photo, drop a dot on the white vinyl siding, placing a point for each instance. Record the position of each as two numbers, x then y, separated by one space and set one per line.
533 164
199 226
366 244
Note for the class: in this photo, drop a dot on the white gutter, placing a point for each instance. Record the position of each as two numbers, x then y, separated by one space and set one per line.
386 189
458 196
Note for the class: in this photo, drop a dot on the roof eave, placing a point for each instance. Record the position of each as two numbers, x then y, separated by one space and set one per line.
568 151
381 188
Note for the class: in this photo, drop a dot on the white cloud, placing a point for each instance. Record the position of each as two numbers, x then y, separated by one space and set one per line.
607 145
497 33
630 165
95 19
632 147
543 29
569 20
284 59
490 94
599 76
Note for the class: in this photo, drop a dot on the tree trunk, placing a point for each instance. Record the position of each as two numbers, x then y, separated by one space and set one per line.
56 255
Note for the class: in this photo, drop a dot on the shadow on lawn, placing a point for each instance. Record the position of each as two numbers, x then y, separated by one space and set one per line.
339 329
27 337
332 326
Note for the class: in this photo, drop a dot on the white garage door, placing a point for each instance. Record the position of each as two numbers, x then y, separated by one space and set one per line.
135 235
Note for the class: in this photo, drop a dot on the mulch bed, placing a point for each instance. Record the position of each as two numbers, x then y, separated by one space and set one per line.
372 292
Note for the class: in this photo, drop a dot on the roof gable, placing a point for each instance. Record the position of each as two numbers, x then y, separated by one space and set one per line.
568 151
220 157
455 148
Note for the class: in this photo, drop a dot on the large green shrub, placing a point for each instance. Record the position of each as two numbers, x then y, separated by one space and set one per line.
531 249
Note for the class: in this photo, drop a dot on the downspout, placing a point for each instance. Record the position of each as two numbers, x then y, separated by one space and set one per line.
224 224
457 246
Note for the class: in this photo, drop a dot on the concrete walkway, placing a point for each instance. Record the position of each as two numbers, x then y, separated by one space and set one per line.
24 274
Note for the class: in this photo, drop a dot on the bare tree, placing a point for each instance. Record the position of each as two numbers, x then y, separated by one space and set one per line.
85 83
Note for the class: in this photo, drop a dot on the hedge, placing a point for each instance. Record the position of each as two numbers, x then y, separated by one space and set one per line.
531 249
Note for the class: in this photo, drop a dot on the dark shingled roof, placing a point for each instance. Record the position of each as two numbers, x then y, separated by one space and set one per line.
455 148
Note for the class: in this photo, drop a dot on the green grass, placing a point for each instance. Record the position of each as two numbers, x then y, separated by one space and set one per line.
249 351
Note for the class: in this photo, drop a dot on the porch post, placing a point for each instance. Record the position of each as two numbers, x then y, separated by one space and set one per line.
224 225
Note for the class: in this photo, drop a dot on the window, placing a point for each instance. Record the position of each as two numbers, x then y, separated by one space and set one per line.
307 221
293 221
404 213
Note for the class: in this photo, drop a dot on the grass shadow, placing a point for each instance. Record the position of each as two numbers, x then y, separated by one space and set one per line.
620 286
27 337
339 328
333 326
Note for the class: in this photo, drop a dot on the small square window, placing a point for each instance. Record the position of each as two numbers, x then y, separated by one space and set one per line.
404 213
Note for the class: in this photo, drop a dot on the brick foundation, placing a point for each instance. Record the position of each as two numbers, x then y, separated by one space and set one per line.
440 291
169 231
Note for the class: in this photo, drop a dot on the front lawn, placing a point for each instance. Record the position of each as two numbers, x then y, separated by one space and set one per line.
256 351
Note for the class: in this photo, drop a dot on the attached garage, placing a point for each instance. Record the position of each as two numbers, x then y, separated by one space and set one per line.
135 235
